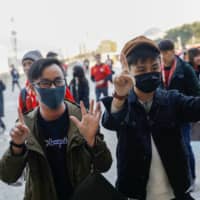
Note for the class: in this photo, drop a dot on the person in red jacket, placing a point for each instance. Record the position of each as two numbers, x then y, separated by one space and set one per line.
27 98
100 74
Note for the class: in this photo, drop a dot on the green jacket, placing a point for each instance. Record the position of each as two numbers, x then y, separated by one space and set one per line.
39 180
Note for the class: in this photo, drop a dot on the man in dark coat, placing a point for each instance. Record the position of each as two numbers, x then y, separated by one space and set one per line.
152 160
194 60
179 75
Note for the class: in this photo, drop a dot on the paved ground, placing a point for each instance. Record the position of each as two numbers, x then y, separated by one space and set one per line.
16 193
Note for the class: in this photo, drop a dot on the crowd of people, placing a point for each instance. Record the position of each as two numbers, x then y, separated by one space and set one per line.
57 138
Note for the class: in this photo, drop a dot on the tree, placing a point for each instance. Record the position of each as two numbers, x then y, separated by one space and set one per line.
185 32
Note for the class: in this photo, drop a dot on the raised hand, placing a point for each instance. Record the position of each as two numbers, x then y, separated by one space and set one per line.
100 82
124 63
123 83
20 131
89 123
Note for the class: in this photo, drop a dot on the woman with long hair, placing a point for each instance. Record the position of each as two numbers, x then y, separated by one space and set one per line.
79 86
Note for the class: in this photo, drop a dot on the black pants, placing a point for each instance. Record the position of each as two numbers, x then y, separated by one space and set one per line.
100 91
185 197
186 132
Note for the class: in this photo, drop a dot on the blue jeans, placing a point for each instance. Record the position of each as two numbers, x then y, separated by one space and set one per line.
100 91
186 131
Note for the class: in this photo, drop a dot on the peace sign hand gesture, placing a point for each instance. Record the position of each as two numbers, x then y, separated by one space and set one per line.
89 123
123 83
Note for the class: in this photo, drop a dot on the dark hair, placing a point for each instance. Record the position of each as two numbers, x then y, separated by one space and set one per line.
192 53
166 45
97 55
51 54
142 53
78 71
38 67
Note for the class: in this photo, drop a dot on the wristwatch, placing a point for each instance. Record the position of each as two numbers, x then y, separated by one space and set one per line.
115 95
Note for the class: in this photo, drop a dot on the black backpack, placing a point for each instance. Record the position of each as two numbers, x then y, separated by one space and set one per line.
23 94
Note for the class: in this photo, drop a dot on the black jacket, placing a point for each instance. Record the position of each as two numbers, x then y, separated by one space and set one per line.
2 88
184 79
169 110
80 91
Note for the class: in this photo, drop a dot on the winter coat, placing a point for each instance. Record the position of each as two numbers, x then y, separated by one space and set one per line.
39 179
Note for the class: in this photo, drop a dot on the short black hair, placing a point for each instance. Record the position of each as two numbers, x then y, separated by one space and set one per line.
51 54
142 53
166 45
192 53
38 67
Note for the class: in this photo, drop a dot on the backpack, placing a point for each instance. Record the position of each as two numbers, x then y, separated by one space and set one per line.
23 94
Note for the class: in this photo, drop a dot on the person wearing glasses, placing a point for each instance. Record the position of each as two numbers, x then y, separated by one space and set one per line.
58 142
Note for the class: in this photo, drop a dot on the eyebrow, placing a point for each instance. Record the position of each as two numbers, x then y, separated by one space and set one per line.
155 64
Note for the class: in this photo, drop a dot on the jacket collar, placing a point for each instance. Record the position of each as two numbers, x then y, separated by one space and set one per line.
159 97
32 143
179 70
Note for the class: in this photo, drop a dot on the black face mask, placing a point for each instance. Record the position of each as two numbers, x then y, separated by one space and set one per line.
148 82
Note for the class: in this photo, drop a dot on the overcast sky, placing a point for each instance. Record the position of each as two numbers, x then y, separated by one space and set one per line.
54 24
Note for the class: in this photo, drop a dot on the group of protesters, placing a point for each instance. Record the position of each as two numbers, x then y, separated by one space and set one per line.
57 138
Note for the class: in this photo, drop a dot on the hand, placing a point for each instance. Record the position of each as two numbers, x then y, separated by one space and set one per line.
20 132
89 124
100 82
123 83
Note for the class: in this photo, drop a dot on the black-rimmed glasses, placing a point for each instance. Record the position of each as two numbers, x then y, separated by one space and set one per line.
48 83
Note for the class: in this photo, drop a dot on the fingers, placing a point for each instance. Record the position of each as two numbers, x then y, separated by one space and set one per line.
20 116
98 108
123 79
75 121
19 133
98 116
83 109
124 63
16 131
20 129
91 109
98 111
24 128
